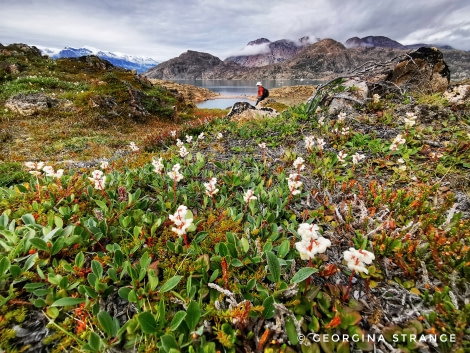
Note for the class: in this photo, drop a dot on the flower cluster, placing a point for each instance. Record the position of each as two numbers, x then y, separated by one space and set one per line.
249 196
158 165
189 138
376 98
399 140
179 143
299 164
133 147
357 259
294 183
311 141
410 120
175 174
98 177
36 168
182 223
262 145
357 157
311 242
183 152
211 187
104 165
342 156
219 136
201 136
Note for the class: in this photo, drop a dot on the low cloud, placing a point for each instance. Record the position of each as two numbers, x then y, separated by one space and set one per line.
254 49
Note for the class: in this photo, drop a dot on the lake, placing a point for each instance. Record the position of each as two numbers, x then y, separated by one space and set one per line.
233 91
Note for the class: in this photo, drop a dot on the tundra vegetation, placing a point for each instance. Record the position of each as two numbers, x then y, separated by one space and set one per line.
127 232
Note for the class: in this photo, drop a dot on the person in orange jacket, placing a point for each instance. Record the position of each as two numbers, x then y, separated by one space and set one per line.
261 92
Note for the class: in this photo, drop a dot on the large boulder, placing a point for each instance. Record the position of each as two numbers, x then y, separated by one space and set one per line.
424 70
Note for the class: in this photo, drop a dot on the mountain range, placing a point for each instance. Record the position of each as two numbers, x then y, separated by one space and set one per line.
121 60
262 59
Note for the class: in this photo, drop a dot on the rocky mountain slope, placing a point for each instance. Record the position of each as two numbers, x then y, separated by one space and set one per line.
321 60
385 42
262 52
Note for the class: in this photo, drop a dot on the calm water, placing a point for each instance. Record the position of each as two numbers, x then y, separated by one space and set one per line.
238 90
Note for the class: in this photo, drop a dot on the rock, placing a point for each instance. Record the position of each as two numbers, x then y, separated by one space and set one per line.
458 95
239 107
356 91
30 103
425 70
242 111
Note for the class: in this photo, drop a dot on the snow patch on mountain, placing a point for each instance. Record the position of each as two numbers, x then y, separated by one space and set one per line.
129 62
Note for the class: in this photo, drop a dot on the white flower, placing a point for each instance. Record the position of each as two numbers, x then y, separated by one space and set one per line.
173 133
311 243
357 259
201 136
402 167
321 120
219 136
401 160
189 138
183 152
262 145
174 174
97 174
48 170
158 165
99 179
133 146
321 143
104 165
34 165
308 231
249 196
341 117
342 156
357 157
211 187
179 143
345 131
376 98
293 183
181 222
410 119
35 172
58 173
299 163
309 142
399 140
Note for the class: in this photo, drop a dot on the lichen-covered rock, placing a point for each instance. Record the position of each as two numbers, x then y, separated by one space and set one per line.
355 92
242 111
424 70
30 103
458 95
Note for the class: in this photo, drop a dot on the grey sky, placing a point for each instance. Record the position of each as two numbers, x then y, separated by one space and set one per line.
165 29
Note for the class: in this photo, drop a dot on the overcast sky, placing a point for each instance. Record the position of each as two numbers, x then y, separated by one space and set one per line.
165 29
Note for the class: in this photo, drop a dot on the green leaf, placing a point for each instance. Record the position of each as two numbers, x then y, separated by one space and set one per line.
170 284
39 244
68 301
303 274
28 219
168 343
94 341
177 320
79 260
57 246
268 307
97 269
4 265
283 249
274 266
147 322
193 314
291 331
107 323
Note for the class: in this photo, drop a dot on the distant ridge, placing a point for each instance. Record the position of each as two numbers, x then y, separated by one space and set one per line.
121 60
385 42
